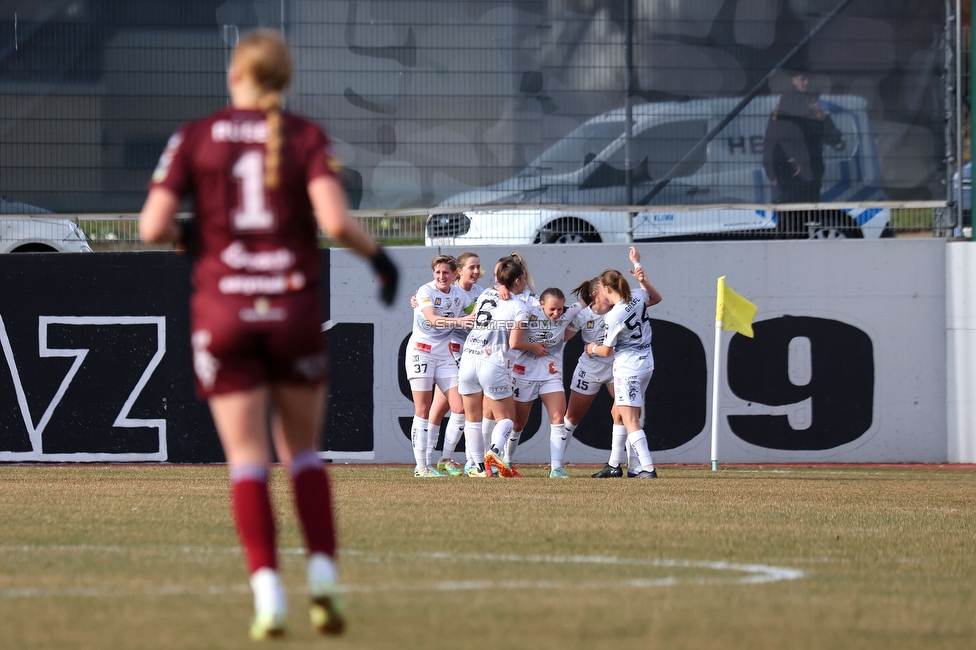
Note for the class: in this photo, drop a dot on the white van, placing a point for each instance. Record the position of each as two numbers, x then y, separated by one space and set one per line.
586 168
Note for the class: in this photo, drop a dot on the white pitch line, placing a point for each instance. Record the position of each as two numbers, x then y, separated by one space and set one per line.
751 573
756 573
104 592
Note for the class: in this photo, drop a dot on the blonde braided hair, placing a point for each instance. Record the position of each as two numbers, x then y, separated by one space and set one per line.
264 57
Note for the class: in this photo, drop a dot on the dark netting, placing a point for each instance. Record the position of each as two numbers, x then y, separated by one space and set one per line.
440 103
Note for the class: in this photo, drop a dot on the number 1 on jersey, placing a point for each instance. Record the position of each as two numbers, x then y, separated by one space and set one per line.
252 215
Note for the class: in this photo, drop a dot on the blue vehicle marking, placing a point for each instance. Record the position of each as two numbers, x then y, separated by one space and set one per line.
866 215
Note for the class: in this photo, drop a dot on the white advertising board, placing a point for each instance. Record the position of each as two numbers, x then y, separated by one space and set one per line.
848 362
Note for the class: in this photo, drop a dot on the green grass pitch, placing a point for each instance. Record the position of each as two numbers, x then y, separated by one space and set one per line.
816 557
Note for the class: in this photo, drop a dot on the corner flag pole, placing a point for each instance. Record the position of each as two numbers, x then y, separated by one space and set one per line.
716 373
732 312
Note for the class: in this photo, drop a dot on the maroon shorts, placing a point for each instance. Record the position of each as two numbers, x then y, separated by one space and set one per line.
242 342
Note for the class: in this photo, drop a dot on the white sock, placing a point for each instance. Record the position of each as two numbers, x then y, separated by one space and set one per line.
633 463
570 428
322 575
418 437
433 431
557 444
618 442
500 433
639 441
469 457
508 454
487 427
269 593
453 433
474 442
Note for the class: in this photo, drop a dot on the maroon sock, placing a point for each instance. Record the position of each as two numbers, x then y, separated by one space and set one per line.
251 505
313 503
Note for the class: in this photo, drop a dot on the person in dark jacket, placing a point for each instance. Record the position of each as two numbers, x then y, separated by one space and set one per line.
793 145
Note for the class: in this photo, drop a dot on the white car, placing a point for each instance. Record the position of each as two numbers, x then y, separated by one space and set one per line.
586 168
28 229
520 226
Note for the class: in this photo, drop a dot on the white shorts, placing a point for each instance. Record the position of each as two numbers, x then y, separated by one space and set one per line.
590 375
526 390
423 371
629 390
478 376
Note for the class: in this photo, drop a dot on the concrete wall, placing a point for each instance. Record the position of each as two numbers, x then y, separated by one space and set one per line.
848 364
864 352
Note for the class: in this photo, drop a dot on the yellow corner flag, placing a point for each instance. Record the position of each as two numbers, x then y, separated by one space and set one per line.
733 311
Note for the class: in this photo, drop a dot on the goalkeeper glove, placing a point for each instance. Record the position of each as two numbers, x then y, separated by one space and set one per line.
186 241
387 274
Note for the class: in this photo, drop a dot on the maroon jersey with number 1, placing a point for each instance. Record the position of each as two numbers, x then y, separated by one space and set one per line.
255 311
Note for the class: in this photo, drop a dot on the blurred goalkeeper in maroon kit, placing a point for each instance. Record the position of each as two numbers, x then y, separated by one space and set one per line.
262 179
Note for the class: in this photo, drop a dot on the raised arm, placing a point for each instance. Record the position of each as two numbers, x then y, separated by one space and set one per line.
653 295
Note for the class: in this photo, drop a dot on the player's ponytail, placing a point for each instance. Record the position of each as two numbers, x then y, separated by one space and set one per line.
270 104
263 56
518 259
585 290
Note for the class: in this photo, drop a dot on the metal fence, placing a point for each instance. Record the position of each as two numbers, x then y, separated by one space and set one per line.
520 225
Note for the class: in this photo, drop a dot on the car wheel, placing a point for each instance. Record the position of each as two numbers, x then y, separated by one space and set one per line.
34 248
836 225
567 231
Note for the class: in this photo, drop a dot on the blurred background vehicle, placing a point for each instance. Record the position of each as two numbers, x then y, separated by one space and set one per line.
565 226
29 229
588 168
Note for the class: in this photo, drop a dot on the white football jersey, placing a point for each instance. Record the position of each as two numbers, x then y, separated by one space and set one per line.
460 334
629 334
593 329
426 338
553 335
529 298
495 319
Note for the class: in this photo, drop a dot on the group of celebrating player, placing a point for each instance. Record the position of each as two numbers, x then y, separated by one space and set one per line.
490 353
